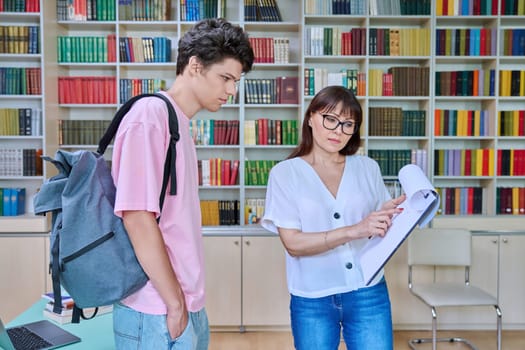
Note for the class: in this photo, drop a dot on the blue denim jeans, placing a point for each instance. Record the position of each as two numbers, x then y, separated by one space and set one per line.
363 316
140 331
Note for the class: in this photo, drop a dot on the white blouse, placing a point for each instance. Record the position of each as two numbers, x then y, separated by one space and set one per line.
296 198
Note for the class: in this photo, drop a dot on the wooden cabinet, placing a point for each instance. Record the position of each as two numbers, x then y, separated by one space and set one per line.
23 272
246 282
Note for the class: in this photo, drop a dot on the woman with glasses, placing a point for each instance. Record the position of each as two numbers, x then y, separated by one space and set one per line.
325 201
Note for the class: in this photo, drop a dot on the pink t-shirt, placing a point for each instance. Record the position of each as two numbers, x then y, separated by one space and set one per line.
138 166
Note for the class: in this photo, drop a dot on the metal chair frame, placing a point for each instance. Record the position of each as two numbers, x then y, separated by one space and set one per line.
433 308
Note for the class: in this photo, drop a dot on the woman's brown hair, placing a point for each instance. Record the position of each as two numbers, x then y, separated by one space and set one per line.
327 100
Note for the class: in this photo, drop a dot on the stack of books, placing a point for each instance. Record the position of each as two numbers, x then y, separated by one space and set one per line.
66 314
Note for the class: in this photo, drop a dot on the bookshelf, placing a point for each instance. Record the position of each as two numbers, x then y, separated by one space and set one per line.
22 113
465 45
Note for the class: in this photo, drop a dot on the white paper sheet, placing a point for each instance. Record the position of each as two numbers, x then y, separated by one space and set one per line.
420 207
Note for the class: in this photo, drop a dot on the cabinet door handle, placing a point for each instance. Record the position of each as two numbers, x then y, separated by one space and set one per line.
236 242
247 242
494 241
505 240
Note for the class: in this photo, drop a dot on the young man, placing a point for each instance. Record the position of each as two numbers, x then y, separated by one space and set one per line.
168 313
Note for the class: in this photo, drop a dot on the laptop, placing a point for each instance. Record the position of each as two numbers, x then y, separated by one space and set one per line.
37 335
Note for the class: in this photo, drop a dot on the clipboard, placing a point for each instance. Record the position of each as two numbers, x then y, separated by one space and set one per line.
420 207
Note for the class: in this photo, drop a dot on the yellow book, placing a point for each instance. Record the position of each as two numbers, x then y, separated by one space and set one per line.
477 123
479 162
515 122
522 82
515 201
439 7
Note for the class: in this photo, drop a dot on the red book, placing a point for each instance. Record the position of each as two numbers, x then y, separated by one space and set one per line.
485 167
226 169
288 88
234 172
265 131
468 162
470 201
522 200
499 153
235 133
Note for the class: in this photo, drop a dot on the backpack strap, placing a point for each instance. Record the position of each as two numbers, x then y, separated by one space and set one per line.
169 165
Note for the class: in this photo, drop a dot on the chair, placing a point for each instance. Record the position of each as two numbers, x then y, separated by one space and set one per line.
451 248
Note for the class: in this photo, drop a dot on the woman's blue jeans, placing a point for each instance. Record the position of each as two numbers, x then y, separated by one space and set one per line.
364 317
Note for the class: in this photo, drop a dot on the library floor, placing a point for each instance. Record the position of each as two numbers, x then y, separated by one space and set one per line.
484 340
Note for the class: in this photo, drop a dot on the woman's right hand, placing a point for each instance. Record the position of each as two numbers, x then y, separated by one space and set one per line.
377 223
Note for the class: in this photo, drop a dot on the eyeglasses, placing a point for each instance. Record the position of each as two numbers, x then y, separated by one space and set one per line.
331 123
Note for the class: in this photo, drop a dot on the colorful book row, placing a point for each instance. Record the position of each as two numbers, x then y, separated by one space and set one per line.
510 200
514 42
262 11
280 90
400 7
145 49
392 160
218 172
449 122
334 7
133 87
214 132
479 82
87 90
399 81
20 162
158 10
220 212
265 131
317 78
81 132
510 162
334 41
256 172
13 201
511 123
20 6
86 49
195 10
20 81
460 200
87 10
399 42
20 122
20 39
512 82
466 41
467 7
464 162
394 121
271 50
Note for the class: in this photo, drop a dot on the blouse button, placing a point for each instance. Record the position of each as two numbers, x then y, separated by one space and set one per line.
337 215
349 265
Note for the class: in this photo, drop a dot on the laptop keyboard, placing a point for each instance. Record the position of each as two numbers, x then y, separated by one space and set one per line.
23 339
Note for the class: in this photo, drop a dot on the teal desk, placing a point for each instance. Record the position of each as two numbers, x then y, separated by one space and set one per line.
95 334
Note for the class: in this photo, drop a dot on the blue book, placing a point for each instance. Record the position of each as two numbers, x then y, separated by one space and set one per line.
7 202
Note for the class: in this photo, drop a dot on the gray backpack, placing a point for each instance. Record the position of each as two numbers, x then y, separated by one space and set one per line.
91 255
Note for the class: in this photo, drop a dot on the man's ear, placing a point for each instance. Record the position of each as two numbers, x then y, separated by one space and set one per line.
194 65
